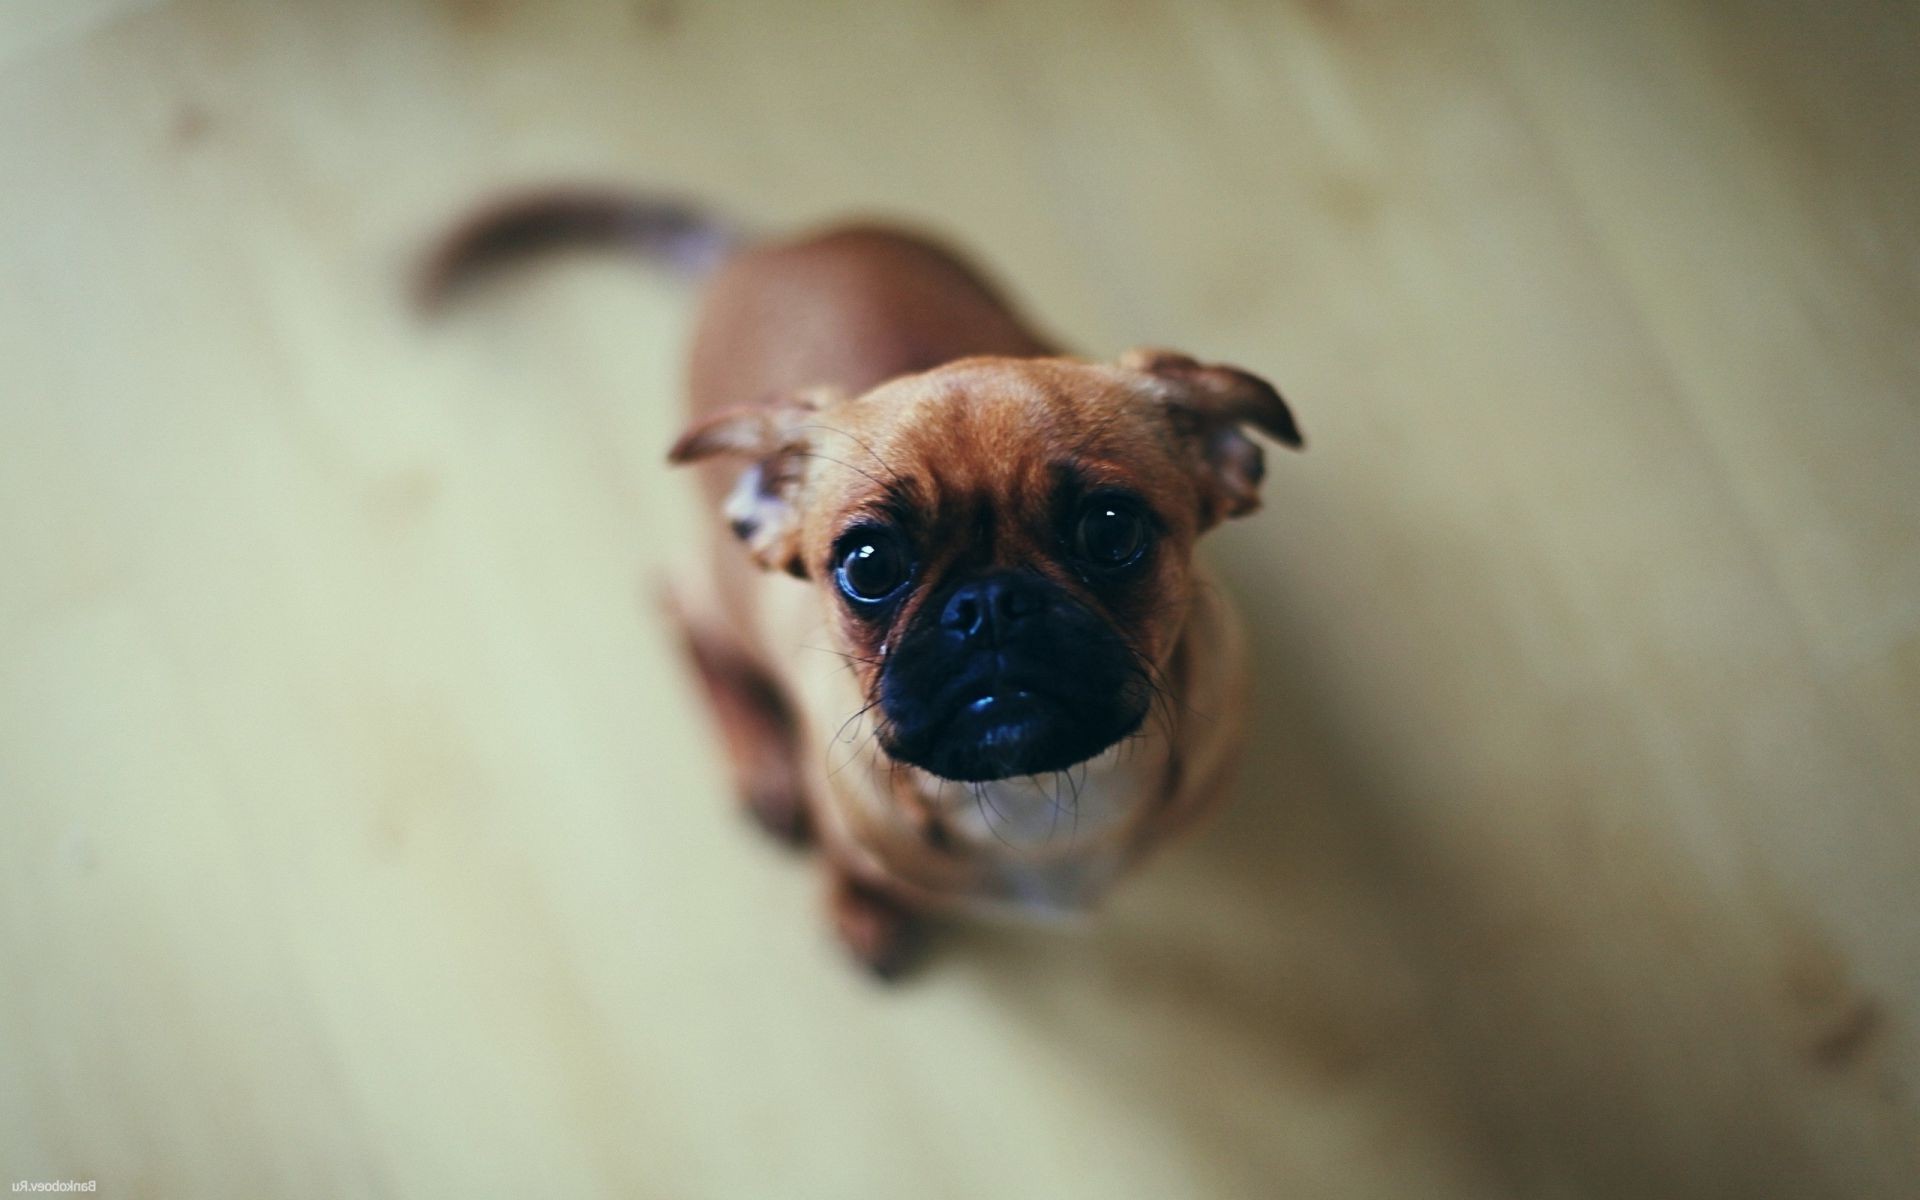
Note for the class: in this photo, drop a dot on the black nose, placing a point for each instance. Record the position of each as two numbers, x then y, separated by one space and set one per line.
988 610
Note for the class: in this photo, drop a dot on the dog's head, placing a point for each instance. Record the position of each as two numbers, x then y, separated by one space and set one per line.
1004 544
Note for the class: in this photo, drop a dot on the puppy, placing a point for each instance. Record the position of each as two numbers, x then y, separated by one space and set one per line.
953 628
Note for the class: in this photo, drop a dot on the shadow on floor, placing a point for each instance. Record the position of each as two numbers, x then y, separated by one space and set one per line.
1311 933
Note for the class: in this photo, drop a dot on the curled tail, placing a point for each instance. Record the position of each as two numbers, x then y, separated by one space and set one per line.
682 237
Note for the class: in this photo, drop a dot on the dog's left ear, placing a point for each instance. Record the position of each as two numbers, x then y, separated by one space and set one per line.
763 509
1211 404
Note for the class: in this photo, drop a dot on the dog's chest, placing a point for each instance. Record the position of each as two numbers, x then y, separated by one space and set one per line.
1050 845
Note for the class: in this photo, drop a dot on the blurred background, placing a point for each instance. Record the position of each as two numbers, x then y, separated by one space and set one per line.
360 834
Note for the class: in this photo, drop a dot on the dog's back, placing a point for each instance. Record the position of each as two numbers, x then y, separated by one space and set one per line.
850 308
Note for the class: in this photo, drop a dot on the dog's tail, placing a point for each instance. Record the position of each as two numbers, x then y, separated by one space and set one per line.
684 238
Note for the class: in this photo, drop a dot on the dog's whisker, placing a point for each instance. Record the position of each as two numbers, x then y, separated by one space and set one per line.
986 806
859 441
878 482
854 751
842 654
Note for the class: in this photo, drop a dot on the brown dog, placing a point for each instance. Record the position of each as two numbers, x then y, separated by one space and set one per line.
953 626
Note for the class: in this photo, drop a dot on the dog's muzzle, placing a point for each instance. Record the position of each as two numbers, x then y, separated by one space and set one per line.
1006 674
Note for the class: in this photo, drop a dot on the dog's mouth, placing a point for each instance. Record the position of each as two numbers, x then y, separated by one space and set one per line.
1002 717
1003 724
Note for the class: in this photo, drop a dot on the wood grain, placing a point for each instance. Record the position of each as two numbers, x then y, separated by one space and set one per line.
362 837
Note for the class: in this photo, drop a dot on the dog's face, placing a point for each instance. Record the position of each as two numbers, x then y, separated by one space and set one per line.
1004 545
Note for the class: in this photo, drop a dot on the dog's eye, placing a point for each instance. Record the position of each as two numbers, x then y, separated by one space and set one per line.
873 565
1111 533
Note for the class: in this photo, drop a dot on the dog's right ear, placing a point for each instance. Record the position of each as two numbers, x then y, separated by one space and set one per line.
764 507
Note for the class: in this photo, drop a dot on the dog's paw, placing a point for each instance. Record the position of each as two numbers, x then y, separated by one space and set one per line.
780 809
882 934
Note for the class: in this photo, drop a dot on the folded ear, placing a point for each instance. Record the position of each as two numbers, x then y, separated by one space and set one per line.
764 507
1211 404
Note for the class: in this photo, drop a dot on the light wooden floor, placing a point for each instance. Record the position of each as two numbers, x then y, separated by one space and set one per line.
359 836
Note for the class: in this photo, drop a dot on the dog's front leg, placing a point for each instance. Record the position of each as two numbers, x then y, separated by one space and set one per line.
756 723
884 935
